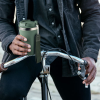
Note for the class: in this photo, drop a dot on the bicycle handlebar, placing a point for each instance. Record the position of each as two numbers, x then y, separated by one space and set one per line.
44 54
66 56
49 53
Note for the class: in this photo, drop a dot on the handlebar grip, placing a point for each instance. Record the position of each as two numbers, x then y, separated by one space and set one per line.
2 69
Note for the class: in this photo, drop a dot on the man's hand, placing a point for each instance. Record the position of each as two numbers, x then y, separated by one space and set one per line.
90 69
18 47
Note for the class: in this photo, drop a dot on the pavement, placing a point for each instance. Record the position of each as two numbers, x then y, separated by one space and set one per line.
35 90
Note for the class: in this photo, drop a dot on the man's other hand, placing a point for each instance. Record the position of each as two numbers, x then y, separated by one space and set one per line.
18 47
90 70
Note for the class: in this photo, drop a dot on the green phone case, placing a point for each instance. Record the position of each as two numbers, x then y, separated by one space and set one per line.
29 30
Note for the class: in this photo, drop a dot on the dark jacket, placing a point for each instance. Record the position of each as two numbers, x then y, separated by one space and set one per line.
80 42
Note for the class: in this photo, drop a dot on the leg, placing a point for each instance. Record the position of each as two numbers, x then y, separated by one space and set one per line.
70 88
17 80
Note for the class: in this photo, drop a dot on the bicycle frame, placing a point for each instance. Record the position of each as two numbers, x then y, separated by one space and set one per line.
46 68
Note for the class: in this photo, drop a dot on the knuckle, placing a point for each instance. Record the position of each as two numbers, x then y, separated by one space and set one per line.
12 48
18 42
17 37
25 45
15 42
22 44
22 49
18 48
21 37
25 50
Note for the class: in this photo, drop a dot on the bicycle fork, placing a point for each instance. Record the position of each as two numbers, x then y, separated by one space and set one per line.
44 77
44 90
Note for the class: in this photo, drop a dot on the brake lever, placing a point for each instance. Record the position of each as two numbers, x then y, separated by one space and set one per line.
82 72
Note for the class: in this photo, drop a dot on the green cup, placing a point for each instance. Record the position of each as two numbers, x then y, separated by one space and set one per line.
29 29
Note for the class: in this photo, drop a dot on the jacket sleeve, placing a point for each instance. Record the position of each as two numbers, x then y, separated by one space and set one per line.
91 29
7 30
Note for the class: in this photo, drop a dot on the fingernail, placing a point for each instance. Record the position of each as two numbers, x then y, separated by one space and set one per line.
25 39
29 50
29 46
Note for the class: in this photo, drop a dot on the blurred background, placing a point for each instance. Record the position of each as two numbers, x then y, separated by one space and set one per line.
35 91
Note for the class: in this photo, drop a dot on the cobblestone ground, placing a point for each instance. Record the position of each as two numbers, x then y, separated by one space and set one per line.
35 91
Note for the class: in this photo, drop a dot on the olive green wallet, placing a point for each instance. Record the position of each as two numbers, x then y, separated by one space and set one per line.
30 30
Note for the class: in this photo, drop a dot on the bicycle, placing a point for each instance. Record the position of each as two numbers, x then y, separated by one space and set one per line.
46 68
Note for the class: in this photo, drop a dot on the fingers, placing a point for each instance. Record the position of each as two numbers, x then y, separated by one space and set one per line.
18 47
21 44
91 76
91 70
21 38
19 53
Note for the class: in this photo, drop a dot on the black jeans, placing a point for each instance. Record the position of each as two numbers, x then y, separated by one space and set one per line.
17 80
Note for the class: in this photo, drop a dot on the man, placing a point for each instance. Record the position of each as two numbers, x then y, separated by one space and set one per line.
60 26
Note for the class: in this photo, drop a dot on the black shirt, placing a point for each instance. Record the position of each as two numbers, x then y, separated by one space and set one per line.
50 29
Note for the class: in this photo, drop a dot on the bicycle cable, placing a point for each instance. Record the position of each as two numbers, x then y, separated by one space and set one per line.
59 50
